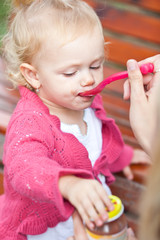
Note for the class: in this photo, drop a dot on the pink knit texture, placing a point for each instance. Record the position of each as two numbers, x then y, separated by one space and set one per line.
36 154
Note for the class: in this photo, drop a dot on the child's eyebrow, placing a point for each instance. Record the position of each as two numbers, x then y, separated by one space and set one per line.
101 58
74 65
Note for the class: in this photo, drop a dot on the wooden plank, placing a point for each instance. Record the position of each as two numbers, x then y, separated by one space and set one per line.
2 137
9 99
117 85
112 97
140 172
122 21
4 120
131 141
129 192
92 3
8 93
153 5
1 182
120 51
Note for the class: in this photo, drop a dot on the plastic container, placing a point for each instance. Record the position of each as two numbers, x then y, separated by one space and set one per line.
115 228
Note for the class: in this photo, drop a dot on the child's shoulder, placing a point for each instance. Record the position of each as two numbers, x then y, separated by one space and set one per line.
31 114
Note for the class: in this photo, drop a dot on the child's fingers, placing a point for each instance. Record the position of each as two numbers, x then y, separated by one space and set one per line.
92 211
86 218
104 198
102 213
94 208
91 200
100 202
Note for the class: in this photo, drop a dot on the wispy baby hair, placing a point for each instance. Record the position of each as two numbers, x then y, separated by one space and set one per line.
30 24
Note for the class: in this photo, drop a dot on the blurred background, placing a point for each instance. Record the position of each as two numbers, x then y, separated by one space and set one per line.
132 28
4 9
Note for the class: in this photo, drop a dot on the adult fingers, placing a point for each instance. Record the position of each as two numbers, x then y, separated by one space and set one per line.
147 83
141 157
126 90
135 80
130 234
128 173
154 59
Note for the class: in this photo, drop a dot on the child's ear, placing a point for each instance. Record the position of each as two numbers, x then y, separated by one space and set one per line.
30 74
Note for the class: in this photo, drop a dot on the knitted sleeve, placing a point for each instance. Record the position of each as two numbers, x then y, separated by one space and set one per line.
29 162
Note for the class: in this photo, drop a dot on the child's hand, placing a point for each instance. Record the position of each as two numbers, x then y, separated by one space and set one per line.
88 197
139 157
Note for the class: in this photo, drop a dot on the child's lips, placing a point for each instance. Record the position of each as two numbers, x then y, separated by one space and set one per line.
85 97
81 95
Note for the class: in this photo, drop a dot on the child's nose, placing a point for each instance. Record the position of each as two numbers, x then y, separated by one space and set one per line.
87 79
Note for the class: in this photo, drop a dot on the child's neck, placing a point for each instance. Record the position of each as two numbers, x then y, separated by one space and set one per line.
73 117
69 116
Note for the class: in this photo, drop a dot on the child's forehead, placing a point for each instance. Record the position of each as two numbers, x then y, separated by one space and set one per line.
59 39
60 25
54 30
72 49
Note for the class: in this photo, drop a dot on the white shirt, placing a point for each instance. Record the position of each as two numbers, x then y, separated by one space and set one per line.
93 143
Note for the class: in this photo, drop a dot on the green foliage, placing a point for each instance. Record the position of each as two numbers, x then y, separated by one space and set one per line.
4 9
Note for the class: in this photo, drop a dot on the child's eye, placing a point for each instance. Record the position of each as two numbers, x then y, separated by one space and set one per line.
69 74
96 67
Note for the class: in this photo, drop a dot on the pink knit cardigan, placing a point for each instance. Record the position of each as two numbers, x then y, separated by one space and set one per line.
36 154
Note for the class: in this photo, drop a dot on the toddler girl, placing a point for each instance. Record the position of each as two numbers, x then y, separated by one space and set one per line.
59 146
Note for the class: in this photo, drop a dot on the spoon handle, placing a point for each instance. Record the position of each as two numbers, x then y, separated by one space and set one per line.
145 68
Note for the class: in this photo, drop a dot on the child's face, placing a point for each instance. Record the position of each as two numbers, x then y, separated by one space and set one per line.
66 70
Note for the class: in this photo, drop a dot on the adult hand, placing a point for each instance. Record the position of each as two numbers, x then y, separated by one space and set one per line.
88 197
130 234
80 233
142 91
139 156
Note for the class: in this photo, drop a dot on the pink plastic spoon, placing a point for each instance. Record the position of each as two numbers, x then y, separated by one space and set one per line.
145 68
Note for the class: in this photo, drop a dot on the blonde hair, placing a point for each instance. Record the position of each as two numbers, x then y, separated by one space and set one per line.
150 206
28 27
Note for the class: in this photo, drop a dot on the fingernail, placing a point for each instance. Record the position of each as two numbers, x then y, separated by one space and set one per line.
105 217
91 226
131 65
99 222
111 207
130 231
